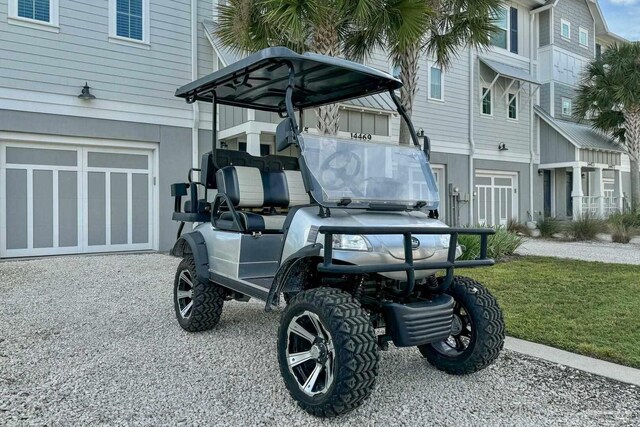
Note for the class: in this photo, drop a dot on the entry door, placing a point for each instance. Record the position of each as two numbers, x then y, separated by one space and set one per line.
438 172
497 197
547 192
63 199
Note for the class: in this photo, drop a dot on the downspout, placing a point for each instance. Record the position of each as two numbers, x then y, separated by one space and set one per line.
194 76
472 141
532 20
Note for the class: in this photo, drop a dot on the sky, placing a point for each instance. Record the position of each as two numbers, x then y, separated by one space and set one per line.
623 17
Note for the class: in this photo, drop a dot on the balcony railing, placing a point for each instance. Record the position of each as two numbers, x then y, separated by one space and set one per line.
590 206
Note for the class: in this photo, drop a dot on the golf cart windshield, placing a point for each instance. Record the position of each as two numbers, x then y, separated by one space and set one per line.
365 174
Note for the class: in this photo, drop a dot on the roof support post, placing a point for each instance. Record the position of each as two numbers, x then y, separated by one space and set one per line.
288 99
577 193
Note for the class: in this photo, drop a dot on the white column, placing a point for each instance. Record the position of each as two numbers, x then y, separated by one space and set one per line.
617 188
577 194
253 143
598 191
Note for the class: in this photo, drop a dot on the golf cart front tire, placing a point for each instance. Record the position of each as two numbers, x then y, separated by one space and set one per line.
485 323
198 304
334 318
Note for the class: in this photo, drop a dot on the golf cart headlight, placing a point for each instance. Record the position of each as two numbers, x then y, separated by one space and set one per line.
350 242
444 240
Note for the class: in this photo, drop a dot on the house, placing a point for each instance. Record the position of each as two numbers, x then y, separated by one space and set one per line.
91 135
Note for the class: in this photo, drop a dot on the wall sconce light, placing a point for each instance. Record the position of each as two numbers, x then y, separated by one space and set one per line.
420 132
224 145
86 94
502 146
540 172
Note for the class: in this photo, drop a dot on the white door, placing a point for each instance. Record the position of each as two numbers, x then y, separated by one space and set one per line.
496 197
438 172
62 199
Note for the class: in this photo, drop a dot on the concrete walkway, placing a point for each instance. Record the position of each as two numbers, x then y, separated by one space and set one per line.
602 251
610 370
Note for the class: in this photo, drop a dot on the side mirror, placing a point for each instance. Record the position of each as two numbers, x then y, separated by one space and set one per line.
284 135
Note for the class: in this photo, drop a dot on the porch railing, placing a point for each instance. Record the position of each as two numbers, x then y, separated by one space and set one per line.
590 205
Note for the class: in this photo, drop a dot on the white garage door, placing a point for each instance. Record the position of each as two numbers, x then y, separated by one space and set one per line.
496 197
61 199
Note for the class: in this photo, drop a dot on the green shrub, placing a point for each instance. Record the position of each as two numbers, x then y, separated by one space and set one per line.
623 226
513 226
585 228
499 245
549 226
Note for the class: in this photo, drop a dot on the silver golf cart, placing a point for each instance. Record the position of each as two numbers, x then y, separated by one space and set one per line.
346 234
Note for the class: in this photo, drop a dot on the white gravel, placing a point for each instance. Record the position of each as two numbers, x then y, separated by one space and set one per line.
602 251
93 341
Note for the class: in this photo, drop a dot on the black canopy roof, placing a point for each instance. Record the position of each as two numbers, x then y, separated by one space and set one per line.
259 81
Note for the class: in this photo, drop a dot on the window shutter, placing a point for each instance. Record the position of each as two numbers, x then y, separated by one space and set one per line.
514 30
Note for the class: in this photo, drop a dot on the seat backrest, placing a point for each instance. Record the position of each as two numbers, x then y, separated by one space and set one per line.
249 187
208 171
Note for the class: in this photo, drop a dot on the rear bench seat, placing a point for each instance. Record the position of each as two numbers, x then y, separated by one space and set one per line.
250 188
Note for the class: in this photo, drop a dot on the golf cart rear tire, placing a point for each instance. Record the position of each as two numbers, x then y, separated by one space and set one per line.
207 298
356 351
487 330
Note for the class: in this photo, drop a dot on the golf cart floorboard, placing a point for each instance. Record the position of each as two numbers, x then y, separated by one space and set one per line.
255 287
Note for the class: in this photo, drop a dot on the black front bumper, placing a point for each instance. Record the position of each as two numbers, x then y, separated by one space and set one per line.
420 322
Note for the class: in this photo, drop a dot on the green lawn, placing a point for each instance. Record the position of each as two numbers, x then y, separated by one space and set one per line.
590 308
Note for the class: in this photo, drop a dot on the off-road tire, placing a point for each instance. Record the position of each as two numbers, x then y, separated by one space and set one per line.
356 348
208 299
487 325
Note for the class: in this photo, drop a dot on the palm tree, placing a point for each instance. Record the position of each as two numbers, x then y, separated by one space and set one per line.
609 98
411 28
301 25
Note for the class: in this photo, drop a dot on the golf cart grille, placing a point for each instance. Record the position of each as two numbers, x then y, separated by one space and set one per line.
408 265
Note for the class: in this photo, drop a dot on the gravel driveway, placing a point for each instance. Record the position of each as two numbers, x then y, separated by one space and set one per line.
603 251
93 341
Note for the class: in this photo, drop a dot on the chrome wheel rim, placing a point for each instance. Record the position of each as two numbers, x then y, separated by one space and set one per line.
310 353
461 335
184 294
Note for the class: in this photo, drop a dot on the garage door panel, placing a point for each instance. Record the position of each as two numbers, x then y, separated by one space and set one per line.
41 156
96 209
140 208
42 208
67 209
496 198
97 159
118 201
16 207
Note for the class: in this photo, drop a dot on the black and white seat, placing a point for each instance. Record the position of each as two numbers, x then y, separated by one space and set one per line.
249 188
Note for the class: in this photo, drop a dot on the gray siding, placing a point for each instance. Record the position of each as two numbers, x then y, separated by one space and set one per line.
578 14
59 64
544 27
545 97
174 152
554 148
603 157
456 174
231 116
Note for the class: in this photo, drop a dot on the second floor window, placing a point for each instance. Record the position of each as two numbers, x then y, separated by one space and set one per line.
565 29
513 106
129 19
486 101
34 9
584 37
435 83
567 107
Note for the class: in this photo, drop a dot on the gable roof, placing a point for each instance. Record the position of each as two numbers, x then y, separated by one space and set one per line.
582 136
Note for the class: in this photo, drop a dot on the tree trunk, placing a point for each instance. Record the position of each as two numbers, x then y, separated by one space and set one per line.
408 63
326 42
632 141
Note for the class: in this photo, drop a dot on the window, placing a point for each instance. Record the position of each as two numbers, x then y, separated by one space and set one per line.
513 106
584 37
435 83
242 146
598 51
486 101
567 107
34 13
265 149
506 35
129 21
565 29
501 21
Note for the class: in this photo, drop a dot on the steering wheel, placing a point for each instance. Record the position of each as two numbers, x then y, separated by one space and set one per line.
339 168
